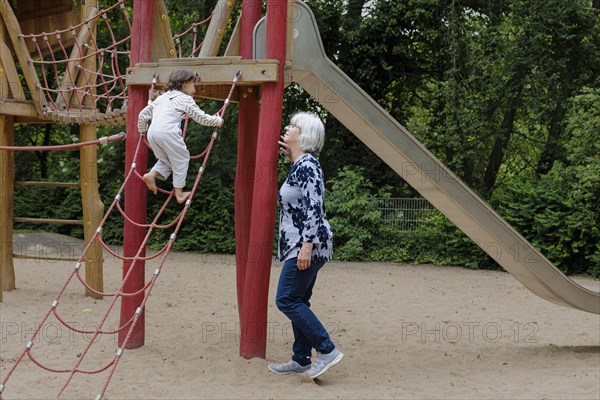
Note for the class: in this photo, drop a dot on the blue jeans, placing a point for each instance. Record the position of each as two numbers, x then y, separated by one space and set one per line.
293 294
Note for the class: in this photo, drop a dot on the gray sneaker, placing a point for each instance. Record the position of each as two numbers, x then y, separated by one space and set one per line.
290 367
324 362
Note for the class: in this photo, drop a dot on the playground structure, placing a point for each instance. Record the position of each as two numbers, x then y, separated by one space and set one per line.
270 53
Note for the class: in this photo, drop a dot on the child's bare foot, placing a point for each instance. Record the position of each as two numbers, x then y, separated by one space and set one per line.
150 181
181 196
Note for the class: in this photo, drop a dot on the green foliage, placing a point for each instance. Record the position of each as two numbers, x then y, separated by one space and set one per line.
440 244
594 260
352 214
356 222
559 212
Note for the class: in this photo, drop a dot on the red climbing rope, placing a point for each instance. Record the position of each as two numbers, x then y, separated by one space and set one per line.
92 335
193 32
102 140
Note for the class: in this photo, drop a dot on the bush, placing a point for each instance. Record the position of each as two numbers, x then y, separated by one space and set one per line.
352 214
356 223
559 212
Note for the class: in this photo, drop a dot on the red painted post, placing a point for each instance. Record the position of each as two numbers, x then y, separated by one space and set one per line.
253 339
135 192
246 153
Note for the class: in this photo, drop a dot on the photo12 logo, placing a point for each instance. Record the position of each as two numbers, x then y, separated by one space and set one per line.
453 332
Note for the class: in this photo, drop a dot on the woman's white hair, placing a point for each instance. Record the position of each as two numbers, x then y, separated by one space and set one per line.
312 131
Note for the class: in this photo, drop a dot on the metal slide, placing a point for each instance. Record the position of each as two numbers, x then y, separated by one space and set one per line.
420 168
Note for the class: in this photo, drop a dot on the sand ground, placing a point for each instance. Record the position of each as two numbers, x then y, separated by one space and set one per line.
407 332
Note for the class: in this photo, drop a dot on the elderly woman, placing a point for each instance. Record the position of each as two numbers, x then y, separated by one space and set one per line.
305 245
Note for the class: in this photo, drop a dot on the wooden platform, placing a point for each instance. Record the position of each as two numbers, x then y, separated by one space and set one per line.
211 70
117 117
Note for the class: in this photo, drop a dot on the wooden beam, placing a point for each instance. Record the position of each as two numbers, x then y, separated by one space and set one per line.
48 221
216 28
49 258
71 69
218 92
10 74
47 184
7 177
162 37
18 108
212 71
93 209
29 72
233 47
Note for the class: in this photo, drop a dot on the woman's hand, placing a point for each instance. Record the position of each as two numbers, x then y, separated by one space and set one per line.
305 256
285 149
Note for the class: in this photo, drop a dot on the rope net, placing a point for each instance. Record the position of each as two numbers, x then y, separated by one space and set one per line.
188 42
89 78
101 328
81 69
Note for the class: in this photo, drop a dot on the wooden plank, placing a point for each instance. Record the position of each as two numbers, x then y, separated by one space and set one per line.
48 221
162 37
46 16
93 209
49 258
233 47
32 120
18 108
211 71
5 91
193 61
13 28
9 72
71 70
7 176
46 184
217 92
216 28
89 63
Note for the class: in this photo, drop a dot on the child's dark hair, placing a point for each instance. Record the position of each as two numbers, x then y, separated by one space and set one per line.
179 77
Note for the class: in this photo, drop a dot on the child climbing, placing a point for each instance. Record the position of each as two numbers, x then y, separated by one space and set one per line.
165 135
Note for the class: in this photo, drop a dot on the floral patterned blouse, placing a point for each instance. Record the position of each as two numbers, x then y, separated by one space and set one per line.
302 216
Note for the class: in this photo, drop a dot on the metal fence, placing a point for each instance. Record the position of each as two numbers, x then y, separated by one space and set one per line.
404 214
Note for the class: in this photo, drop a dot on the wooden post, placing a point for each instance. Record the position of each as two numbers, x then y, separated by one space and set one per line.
93 209
135 192
246 152
20 50
7 177
253 335
216 28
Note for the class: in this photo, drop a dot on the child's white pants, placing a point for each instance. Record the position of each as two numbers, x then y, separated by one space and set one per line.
172 154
